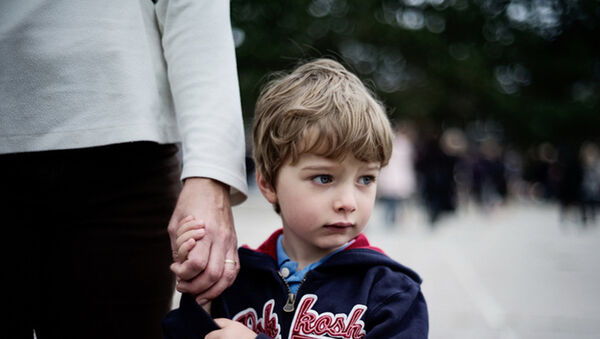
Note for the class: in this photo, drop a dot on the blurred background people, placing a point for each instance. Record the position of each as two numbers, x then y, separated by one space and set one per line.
590 190
437 160
397 181
489 185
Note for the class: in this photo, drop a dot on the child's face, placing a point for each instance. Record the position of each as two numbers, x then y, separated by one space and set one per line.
324 203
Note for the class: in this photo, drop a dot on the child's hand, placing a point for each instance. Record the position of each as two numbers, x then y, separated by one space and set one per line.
188 232
231 329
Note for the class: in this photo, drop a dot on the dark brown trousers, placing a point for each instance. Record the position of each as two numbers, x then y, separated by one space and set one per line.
84 240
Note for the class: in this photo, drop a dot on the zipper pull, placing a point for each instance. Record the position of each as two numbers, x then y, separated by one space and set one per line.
289 304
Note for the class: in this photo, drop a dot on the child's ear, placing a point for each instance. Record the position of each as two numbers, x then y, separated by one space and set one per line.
266 189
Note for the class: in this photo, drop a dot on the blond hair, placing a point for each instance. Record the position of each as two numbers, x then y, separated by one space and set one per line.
319 108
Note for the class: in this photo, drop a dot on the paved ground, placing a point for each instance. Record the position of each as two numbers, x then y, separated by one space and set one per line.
515 271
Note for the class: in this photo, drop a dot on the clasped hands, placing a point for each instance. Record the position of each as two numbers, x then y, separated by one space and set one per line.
208 238
205 258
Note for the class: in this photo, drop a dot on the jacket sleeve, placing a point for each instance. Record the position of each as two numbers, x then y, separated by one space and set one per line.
189 321
199 52
400 317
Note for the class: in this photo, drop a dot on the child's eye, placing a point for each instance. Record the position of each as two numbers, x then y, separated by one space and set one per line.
322 179
366 180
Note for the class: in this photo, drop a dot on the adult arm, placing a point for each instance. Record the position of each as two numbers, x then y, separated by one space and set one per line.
200 57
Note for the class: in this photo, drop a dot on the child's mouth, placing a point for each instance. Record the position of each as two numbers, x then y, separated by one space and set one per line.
339 226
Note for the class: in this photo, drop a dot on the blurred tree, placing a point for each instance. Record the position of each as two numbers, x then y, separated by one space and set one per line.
531 66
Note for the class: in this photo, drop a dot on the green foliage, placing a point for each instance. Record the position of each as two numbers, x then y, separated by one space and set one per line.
531 66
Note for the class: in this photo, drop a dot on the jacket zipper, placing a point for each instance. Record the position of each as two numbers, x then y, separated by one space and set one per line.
291 299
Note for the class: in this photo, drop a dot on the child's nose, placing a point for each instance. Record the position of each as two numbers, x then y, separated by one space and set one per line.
345 200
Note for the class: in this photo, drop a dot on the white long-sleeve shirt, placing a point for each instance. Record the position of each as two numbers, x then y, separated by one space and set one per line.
88 73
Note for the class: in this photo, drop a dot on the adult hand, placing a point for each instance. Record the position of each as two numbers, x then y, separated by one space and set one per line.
205 272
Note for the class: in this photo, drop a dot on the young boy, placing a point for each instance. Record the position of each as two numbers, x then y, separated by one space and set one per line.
320 140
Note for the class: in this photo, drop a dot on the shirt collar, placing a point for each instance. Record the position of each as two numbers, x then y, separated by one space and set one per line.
283 258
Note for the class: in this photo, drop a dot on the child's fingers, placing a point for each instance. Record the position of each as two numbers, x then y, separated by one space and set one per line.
187 218
185 248
185 226
195 234
188 224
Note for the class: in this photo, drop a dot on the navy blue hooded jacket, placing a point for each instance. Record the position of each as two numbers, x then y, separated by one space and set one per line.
357 293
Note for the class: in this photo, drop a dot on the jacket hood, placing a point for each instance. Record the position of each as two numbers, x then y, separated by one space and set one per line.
360 254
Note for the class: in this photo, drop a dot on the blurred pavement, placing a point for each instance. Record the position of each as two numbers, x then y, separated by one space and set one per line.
514 271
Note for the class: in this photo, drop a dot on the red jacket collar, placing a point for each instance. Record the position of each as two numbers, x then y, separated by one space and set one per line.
269 247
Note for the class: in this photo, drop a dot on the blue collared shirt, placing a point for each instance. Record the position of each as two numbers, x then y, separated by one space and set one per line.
289 269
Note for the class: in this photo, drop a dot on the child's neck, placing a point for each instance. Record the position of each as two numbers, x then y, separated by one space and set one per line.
302 253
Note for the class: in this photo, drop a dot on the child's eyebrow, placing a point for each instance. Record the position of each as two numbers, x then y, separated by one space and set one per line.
373 167
317 167
370 167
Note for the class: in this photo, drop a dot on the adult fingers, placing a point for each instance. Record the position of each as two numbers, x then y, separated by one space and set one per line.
205 279
231 267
